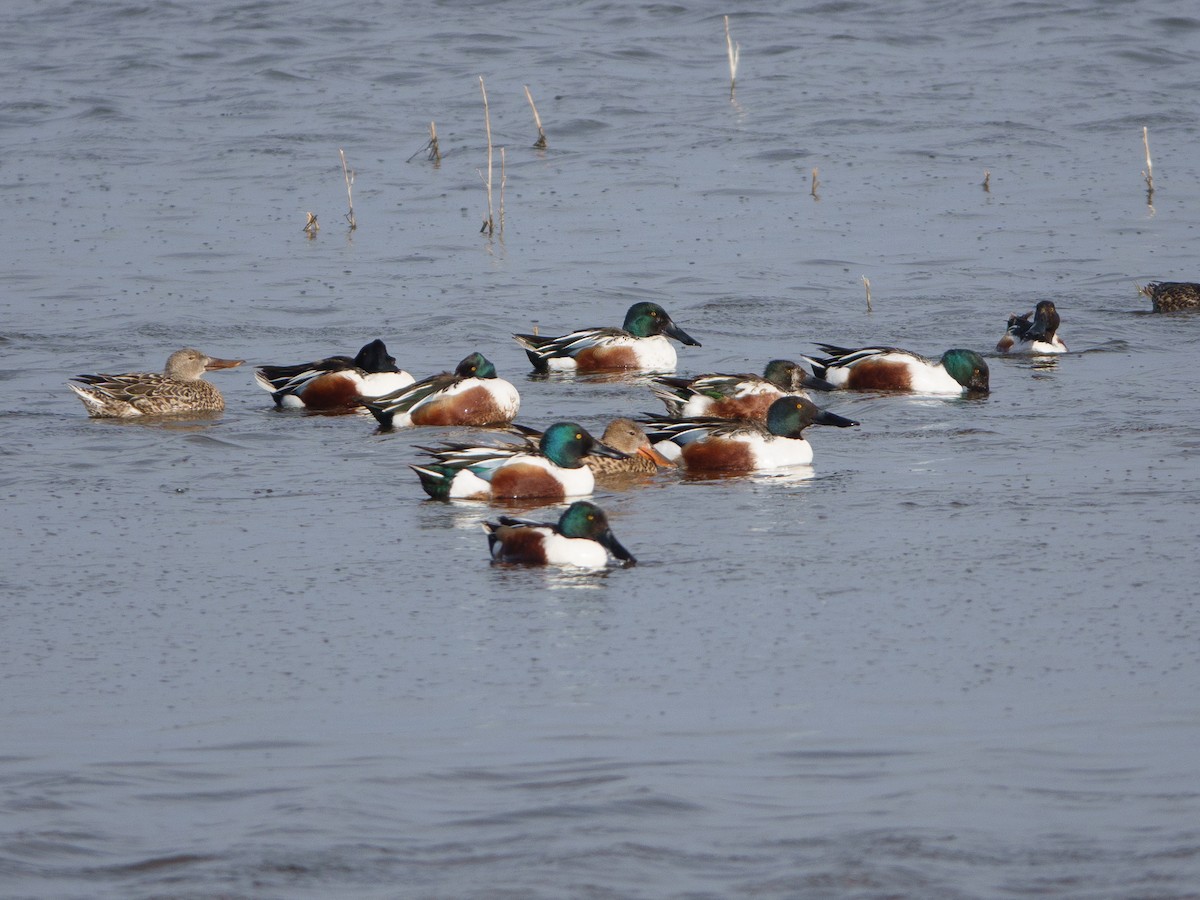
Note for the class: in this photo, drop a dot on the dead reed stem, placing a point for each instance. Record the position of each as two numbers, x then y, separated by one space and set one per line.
433 154
503 181
867 285
1148 174
815 184
734 52
540 143
311 227
987 181
349 176
489 224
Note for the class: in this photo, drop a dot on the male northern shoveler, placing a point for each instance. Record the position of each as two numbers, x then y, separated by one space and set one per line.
641 343
735 396
708 444
470 395
179 389
1172 296
336 382
582 538
1034 332
891 369
554 470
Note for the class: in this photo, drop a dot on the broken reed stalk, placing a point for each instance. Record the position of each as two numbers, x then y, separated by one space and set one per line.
867 285
1149 173
503 181
987 181
433 154
815 184
735 53
489 224
540 143
311 227
349 176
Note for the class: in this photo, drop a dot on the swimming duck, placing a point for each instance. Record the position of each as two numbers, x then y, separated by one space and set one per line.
1034 332
554 470
734 396
336 382
179 389
891 369
640 343
581 538
708 444
1172 296
470 395
624 435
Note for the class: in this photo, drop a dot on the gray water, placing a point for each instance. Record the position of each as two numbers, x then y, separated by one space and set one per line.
244 656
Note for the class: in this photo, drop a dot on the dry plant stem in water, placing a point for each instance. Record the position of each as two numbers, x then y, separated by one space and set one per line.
1148 174
734 51
489 224
540 143
311 227
503 179
349 176
867 285
987 181
431 151
815 185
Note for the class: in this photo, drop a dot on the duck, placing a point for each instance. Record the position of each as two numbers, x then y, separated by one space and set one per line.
892 369
554 470
1033 332
336 382
179 389
639 344
472 394
582 538
1172 296
735 396
624 435
743 447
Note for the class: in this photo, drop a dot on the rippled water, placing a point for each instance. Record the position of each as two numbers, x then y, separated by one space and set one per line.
243 656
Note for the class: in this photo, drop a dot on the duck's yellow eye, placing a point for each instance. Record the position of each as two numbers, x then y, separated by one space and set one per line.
578 436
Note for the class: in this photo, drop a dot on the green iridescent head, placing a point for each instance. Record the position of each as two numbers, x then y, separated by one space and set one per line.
967 368
648 319
475 366
586 520
789 416
566 444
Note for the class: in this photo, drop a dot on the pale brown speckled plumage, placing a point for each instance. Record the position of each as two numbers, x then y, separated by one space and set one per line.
180 388
628 437
1172 296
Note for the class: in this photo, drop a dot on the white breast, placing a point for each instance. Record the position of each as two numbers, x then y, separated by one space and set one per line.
774 452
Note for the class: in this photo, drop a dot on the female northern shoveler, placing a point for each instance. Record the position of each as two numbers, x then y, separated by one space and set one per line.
336 382
624 435
641 343
554 470
708 444
890 369
1172 296
582 538
735 396
1034 332
470 395
180 389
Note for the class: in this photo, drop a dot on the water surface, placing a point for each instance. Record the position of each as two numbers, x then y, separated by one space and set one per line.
244 657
